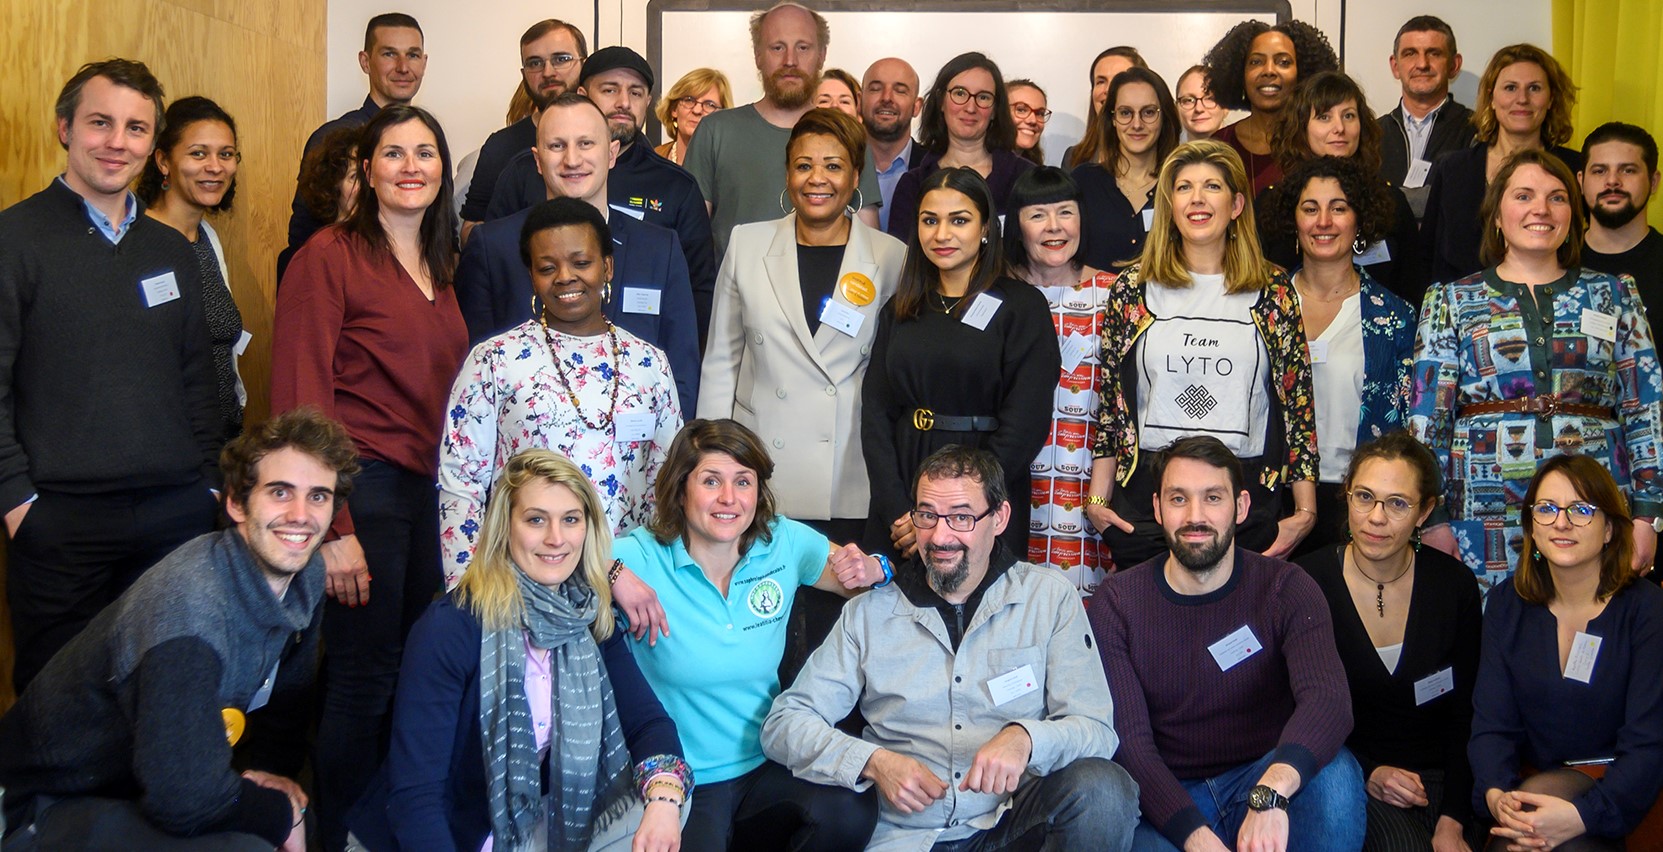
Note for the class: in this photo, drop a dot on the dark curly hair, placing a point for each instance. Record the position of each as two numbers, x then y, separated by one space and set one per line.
305 429
324 167
1314 96
1227 61
1001 129
1374 207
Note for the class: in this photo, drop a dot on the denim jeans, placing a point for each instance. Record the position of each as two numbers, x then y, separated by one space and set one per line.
1089 805
1326 814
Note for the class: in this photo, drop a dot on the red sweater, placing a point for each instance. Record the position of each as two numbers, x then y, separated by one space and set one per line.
355 337
1180 717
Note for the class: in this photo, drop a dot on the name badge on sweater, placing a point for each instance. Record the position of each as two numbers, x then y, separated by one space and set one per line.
1148 219
633 426
263 695
1584 651
640 300
242 343
1375 253
1599 325
1232 649
1011 685
159 289
842 317
1076 348
1434 685
1418 170
981 312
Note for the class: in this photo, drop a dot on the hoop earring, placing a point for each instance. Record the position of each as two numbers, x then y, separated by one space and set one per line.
606 292
860 202
1358 246
536 307
784 210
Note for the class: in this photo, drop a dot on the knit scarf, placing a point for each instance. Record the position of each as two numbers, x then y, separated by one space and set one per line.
589 765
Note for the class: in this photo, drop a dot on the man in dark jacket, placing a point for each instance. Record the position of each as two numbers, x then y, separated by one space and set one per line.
1427 121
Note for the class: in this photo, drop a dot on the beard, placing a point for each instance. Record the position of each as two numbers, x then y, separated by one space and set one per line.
541 98
947 580
623 134
1201 557
784 94
890 133
1618 217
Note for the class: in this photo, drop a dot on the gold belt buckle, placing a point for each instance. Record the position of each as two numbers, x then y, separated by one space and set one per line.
923 419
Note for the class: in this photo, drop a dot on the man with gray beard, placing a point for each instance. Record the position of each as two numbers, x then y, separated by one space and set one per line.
1230 696
987 713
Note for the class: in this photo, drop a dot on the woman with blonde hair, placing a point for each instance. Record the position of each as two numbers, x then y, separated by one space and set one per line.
522 667
697 94
1203 335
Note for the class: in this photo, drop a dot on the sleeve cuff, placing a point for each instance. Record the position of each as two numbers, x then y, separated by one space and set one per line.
853 762
261 812
1300 758
1043 754
1183 824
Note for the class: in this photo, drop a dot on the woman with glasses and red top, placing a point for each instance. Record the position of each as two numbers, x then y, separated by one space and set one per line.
967 123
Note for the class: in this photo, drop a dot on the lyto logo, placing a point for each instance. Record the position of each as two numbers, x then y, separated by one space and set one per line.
766 598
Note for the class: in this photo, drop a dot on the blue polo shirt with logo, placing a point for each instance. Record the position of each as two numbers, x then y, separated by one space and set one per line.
718 671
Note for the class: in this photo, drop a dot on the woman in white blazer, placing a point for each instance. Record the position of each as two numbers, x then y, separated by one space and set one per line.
796 308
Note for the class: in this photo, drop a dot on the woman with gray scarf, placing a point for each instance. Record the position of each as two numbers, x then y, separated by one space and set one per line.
518 685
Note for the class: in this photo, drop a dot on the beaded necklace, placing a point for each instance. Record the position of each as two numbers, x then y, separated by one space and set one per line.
606 419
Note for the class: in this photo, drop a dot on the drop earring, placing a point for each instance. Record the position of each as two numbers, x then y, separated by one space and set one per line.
1358 246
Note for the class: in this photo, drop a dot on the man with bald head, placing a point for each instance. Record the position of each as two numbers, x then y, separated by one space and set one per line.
738 155
889 102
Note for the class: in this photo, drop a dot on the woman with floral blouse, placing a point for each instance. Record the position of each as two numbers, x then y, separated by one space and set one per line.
1531 358
1202 335
566 380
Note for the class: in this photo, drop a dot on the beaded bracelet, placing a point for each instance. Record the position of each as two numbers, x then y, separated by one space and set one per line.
677 802
613 572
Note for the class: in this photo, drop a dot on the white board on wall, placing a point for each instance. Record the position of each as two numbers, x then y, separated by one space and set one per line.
1053 48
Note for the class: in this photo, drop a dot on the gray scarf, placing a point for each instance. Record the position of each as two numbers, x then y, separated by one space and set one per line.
589 764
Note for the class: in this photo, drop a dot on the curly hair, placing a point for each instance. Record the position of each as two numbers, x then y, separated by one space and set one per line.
305 429
1227 61
1314 96
324 167
1364 191
1001 128
1556 125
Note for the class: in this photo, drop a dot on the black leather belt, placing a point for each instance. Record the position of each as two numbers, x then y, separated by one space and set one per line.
925 420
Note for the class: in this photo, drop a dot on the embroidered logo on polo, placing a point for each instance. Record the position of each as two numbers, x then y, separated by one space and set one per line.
1195 401
766 598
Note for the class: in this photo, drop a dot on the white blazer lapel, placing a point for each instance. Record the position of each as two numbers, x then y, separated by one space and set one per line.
781 265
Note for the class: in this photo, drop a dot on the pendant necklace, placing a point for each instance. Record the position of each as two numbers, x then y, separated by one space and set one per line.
1380 587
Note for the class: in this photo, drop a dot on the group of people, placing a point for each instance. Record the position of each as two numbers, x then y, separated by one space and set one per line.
623 428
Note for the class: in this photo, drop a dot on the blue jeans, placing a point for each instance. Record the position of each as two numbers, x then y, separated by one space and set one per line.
1326 814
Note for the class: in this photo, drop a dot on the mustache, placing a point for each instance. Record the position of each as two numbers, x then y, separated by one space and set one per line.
1196 528
933 549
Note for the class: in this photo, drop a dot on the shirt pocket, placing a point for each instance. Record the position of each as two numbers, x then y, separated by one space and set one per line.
1015 685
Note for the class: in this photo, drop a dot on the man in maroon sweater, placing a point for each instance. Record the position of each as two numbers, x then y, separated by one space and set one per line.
1229 696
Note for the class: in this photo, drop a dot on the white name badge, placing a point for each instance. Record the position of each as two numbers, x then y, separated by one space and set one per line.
1584 651
242 343
842 317
981 312
1375 253
1012 685
640 300
263 695
1232 649
1148 219
1599 325
633 426
640 215
1418 172
1434 685
1075 349
1319 351
160 289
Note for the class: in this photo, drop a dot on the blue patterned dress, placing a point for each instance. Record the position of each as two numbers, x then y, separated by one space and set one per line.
1481 339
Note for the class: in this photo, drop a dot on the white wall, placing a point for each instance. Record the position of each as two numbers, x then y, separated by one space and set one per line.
474 50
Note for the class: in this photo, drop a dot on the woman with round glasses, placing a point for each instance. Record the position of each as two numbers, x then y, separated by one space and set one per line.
1531 358
1198 110
967 124
1567 683
1028 111
1117 191
697 94
1406 624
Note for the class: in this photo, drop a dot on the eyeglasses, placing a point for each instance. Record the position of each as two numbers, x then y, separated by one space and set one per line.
1546 513
1189 102
1364 501
1149 114
963 522
1023 111
557 61
696 104
959 95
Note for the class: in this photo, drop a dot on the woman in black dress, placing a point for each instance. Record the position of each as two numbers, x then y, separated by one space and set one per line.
963 355
1406 622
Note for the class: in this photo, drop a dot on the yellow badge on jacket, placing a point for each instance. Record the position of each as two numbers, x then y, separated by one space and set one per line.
235 722
857 289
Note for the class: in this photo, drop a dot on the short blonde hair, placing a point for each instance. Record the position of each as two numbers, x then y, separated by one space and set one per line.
488 588
1556 125
691 85
1245 267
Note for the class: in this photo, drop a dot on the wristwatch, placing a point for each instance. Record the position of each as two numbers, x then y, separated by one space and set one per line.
1656 523
1263 798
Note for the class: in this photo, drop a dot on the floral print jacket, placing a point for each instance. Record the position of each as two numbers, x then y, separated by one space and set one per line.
1275 314
1388 353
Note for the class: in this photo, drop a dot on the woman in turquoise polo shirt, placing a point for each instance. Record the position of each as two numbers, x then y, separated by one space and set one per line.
726 569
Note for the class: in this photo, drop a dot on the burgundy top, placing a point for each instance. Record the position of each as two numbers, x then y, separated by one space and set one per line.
1262 170
355 337
1180 717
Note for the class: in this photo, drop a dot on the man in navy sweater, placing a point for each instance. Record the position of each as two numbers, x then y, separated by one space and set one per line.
124 741
108 421
1229 696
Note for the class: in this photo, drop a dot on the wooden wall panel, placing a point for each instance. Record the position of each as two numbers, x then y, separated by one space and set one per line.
264 62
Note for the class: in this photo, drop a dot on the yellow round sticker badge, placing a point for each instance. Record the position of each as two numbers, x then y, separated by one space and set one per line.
858 289
234 723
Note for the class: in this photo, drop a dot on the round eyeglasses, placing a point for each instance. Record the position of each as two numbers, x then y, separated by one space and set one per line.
961 95
1363 500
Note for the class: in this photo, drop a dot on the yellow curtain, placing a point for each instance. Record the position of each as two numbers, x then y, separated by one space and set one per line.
1613 49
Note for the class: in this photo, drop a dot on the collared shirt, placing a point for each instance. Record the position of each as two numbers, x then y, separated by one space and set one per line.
110 230
888 176
1419 130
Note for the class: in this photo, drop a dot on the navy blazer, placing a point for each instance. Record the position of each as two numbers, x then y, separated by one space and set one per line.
430 794
493 289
